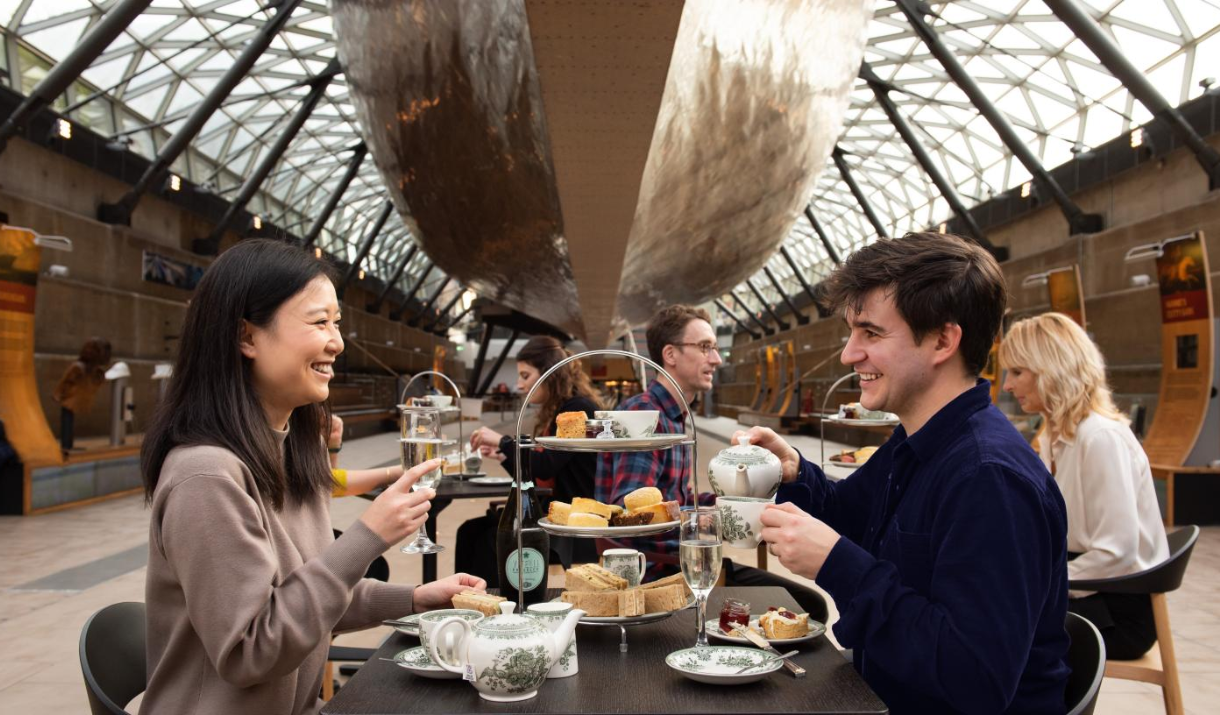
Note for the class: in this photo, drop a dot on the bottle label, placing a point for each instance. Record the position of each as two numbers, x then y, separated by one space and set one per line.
535 569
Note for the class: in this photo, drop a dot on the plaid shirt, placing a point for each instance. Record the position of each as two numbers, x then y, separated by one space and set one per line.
620 473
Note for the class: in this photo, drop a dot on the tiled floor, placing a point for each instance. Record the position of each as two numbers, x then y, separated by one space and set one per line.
40 630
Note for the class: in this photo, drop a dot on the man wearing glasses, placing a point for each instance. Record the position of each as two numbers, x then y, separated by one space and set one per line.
681 339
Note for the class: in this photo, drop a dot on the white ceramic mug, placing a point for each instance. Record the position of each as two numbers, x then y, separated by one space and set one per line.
552 614
627 563
430 620
741 520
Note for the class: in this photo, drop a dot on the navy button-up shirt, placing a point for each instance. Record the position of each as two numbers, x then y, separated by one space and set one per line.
951 576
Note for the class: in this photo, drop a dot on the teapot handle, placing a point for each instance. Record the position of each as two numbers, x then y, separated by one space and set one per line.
438 638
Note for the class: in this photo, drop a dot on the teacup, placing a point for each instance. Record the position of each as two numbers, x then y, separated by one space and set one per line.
473 463
429 621
636 423
441 400
626 563
552 614
741 520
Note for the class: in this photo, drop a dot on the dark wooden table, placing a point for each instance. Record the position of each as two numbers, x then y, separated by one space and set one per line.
637 681
447 491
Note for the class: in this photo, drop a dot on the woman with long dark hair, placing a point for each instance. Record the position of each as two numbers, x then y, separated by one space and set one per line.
246 582
567 474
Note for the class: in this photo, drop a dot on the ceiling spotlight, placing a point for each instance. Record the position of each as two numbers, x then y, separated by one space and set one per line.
257 222
1026 189
1137 137
943 228
317 252
61 129
360 275
174 183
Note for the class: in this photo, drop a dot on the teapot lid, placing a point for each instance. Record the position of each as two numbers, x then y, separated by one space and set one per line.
745 453
507 623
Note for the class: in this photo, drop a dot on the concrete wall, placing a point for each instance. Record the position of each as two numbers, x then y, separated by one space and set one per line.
105 295
1157 200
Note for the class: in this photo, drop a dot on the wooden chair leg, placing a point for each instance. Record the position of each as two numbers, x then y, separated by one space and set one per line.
328 681
1168 502
1172 689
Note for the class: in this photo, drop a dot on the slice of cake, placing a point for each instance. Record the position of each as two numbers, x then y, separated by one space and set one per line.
591 506
665 511
782 623
580 518
570 425
591 577
484 603
558 512
637 519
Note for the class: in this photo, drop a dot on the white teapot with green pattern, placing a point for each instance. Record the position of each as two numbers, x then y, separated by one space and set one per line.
745 470
505 657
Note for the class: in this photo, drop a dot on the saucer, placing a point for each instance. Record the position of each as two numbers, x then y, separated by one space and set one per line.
718 664
418 662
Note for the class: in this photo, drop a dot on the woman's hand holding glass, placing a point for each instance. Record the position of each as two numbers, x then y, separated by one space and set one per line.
399 511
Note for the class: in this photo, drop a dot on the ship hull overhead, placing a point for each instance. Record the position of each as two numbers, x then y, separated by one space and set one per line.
587 163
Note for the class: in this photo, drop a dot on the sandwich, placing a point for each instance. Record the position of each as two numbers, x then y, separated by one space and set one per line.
607 603
591 577
484 603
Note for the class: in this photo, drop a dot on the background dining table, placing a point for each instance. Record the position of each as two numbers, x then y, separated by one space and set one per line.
635 681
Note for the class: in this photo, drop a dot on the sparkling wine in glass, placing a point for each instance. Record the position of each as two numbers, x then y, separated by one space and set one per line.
421 442
701 553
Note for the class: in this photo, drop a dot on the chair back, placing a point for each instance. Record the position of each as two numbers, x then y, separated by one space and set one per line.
1087 658
113 657
1162 578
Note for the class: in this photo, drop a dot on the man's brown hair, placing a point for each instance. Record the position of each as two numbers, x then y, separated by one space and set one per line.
934 279
668 325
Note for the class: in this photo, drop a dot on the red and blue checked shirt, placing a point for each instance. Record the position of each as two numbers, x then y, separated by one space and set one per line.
620 473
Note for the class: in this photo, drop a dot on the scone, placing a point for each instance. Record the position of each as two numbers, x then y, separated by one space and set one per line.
664 512
570 425
642 497
783 623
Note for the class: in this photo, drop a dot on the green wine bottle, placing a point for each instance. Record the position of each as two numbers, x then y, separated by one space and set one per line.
536 548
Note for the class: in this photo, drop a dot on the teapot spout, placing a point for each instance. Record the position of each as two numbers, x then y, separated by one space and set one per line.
563 635
741 480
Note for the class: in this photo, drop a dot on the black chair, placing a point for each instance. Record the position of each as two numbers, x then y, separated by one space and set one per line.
1160 665
1087 659
112 657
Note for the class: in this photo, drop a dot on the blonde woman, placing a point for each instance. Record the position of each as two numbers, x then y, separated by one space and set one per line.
1114 523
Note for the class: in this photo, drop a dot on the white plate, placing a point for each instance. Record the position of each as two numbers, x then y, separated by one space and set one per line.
713 630
491 481
417 661
862 423
608 531
635 620
584 444
718 664
844 465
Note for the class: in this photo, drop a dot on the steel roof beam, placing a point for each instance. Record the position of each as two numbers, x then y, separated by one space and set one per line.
378 224
375 306
779 288
767 306
402 307
865 205
740 323
353 168
783 250
766 330
821 232
418 317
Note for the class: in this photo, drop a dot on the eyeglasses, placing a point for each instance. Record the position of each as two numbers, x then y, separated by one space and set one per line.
705 348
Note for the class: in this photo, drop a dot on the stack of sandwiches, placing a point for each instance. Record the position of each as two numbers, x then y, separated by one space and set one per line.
643 506
601 593
484 603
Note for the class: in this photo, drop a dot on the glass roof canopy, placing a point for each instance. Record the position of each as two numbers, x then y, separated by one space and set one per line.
1060 99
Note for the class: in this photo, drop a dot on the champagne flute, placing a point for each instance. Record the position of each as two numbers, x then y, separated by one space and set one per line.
421 441
700 553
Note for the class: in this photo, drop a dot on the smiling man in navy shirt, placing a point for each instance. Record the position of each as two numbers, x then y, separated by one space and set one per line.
945 552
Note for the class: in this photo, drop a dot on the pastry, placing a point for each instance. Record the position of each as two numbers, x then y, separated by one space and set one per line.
580 518
636 519
782 623
570 425
861 455
484 603
642 497
590 506
664 599
606 603
591 577
665 512
558 512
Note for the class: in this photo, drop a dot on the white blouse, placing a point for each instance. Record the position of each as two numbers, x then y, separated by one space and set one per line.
1114 522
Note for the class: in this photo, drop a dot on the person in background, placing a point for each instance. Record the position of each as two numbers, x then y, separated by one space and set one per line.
944 552
246 581
681 339
1114 521
79 385
354 482
566 474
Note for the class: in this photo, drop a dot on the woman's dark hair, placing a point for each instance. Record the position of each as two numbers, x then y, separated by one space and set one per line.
543 353
935 279
211 398
95 352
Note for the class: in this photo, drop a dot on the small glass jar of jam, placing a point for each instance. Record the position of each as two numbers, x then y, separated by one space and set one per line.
599 429
734 614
